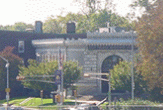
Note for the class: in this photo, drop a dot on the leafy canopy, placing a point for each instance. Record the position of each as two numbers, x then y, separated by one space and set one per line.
19 26
71 74
121 78
150 43
14 61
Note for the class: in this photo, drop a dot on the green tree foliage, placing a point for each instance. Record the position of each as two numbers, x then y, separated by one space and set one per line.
14 61
95 14
143 4
19 26
71 74
93 22
93 6
121 78
85 23
7 27
52 26
36 68
70 17
150 43
58 24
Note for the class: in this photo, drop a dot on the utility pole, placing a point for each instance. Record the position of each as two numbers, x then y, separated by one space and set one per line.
60 67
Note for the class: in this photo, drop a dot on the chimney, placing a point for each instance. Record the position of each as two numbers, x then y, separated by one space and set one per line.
71 27
38 27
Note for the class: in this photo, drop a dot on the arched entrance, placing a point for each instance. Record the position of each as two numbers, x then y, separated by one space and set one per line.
108 64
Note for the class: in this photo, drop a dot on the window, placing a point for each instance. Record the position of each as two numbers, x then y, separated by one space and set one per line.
21 46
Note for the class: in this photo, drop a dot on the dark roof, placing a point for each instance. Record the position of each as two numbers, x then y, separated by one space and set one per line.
27 35
11 38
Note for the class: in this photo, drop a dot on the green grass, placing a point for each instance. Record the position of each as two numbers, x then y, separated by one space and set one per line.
13 100
37 102
133 102
122 102
2 101
45 102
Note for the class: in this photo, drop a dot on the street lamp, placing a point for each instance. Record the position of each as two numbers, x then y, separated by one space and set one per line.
7 89
132 67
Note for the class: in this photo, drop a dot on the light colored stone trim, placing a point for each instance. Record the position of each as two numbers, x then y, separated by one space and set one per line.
111 35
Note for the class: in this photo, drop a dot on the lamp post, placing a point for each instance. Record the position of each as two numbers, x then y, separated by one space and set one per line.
7 89
109 91
132 67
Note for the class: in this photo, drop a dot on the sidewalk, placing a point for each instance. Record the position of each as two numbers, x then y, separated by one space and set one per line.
13 107
83 101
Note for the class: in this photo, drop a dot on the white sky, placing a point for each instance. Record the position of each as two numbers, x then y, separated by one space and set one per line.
29 11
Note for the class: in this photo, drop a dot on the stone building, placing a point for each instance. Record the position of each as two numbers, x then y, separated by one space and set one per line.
96 53
23 47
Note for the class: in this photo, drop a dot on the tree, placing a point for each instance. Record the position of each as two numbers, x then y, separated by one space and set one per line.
7 27
96 14
143 4
35 68
150 42
93 6
71 74
58 24
94 21
121 78
14 61
85 23
70 17
51 25
19 26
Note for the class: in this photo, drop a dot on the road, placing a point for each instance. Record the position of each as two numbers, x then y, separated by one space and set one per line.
15 108
10 108
3 108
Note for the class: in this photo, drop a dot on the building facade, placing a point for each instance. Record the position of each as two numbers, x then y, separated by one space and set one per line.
96 52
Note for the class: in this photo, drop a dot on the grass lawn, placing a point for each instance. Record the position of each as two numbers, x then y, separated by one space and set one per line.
2 101
133 102
13 100
45 102
35 102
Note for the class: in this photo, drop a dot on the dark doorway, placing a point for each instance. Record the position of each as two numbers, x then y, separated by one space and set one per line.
108 64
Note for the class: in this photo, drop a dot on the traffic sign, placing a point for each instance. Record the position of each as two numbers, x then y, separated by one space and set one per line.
7 97
58 74
7 89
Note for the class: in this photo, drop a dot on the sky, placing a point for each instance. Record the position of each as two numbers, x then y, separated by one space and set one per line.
29 11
